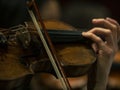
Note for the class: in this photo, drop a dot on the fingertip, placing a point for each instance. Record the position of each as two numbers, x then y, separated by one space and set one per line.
111 20
83 33
94 20
108 18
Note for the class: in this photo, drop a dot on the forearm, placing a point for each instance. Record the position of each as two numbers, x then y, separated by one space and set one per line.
102 73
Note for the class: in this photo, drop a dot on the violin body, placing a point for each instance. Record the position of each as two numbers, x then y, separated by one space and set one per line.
114 77
77 56
25 56
13 74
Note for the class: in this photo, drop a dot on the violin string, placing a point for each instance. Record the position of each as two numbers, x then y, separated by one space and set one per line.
47 49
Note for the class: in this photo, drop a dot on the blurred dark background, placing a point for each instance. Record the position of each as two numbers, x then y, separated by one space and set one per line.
78 13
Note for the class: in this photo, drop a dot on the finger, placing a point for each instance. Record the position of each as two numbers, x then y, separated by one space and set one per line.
105 23
117 24
94 46
104 32
112 21
100 43
108 25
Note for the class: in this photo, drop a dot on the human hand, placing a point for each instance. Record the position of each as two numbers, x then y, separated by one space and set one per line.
105 49
110 30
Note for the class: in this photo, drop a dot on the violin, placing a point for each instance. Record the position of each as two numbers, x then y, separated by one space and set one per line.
13 74
69 51
50 50
115 74
24 50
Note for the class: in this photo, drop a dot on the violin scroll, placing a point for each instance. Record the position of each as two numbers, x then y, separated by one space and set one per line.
3 41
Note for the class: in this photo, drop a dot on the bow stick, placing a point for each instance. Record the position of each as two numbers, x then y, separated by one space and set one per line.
48 45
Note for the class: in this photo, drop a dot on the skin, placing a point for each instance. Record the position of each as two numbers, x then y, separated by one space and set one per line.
105 50
45 81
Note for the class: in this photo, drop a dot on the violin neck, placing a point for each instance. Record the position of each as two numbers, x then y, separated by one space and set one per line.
65 36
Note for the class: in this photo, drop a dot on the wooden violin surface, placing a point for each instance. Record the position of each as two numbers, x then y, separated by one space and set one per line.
117 57
76 58
72 55
10 66
114 77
